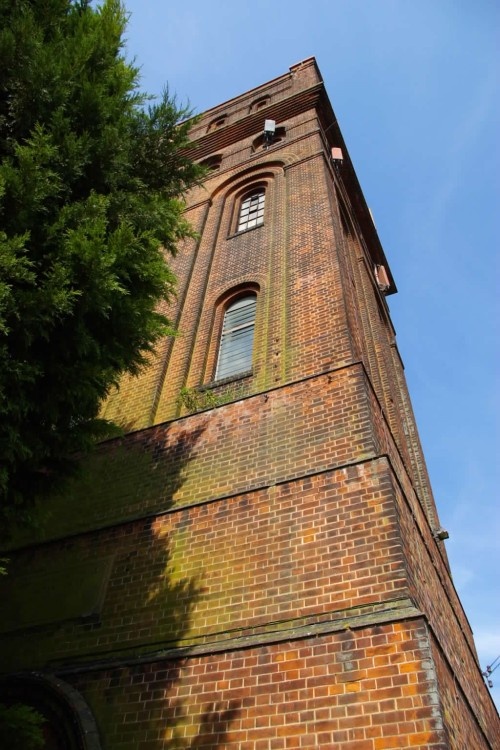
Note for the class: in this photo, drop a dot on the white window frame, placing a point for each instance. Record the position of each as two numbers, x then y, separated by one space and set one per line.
251 213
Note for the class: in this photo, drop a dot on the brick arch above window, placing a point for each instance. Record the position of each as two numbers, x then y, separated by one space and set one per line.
229 193
247 205
259 103
261 173
263 143
212 162
217 123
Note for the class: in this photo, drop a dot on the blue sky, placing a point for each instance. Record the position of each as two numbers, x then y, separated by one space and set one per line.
416 90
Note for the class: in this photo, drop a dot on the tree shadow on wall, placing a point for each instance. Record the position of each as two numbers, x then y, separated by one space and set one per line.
212 731
156 583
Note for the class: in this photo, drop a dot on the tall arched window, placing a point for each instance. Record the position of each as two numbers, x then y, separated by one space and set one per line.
236 344
251 210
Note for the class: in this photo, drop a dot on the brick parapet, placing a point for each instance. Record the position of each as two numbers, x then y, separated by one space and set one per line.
299 79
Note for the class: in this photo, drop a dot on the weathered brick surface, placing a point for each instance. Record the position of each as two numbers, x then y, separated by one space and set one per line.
302 551
302 428
433 592
301 326
462 729
369 689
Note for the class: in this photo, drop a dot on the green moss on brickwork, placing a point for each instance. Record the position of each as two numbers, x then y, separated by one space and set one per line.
192 400
121 480
230 448
67 588
173 594
141 595
107 483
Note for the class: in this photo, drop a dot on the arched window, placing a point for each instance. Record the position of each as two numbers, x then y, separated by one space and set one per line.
264 142
236 343
212 162
217 123
260 103
251 210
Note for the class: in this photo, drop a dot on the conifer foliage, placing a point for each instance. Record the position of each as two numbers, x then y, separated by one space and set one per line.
91 185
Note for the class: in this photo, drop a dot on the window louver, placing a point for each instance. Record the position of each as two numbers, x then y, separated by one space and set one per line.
235 353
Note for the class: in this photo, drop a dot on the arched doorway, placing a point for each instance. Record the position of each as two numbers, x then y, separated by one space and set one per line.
68 721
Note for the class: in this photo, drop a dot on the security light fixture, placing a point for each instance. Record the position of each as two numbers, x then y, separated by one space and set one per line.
337 155
337 158
382 278
269 131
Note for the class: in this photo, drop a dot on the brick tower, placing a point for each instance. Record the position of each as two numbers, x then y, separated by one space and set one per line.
258 563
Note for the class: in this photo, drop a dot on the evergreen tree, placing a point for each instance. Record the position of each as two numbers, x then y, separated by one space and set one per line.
20 727
91 185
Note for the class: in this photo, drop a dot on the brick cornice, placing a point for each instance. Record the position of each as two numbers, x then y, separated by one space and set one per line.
252 123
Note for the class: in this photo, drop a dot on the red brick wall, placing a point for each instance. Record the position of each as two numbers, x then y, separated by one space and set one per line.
302 428
367 689
462 728
319 548
318 302
433 592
